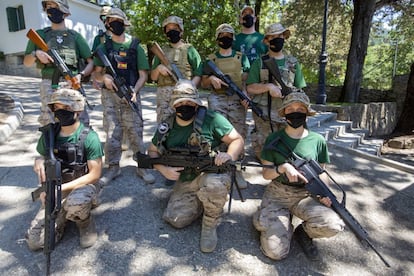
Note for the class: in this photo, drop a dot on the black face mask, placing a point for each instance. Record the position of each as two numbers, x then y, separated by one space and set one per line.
173 36
248 20
225 42
296 119
55 15
65 117
276 44
185 112
117 27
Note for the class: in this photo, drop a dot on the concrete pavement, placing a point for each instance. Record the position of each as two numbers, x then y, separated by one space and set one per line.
133 239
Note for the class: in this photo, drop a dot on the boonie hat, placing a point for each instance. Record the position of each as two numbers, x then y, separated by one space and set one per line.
173 19
118 13
277 28
184 90
245 8
69 97
62 4
296 97
104 12
224 28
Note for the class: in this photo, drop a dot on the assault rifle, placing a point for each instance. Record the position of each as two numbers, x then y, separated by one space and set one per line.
271 65
156 49
233 88
122 90
53 188
186 157
59 63
311 170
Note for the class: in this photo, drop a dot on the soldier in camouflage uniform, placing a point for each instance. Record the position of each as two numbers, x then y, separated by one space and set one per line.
130 62
264 89
79 151
236 66
193 194
286 195
182 54
70 45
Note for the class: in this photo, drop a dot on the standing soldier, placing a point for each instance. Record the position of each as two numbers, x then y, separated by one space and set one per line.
249 41
79 151
70 45
102 35
235 65
194 193
266 91
130 62
182 54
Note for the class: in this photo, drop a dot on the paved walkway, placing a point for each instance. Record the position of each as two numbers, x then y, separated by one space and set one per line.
133 239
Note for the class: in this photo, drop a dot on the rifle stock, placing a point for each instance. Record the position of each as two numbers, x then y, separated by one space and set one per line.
234 88
122 90
156 50
59 63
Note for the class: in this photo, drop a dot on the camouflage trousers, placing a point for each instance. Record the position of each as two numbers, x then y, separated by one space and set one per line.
263 129
207 193
274 218
231 108
118 117
164 109
76 207
46 115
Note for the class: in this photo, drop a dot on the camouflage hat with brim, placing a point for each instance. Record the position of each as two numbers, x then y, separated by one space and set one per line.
275 29
173 19
118 13
105 10
62 4
69 97
225 28
296 97
183 91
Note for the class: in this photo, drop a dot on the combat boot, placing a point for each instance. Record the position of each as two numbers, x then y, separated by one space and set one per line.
208 240
87 232
311 251
146 175
113 172
240 180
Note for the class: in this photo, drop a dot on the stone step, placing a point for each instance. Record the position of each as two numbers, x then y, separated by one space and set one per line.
342 134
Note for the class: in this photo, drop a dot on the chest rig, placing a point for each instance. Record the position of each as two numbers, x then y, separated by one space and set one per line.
178 56
64 42
231 66
196 142
124 61
72 156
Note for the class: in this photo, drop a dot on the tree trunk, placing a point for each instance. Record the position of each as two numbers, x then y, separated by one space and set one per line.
406 122
361 26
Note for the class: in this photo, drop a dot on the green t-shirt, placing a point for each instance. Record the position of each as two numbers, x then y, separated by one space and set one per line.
142 61
193 58
93 147
250 45
97 40
82 49
313 146
214 127
254 73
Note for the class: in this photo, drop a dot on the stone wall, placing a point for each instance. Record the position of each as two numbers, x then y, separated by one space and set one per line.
13 65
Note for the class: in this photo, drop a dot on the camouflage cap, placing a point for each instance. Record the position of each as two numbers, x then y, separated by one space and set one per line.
118 13
277 28
104 12
224 28
296 97
174 20
69 97
62 4
246 8
185 90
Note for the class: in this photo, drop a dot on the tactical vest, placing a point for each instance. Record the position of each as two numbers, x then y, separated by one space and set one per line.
64 42
231 66
124 61
72 156
178 56
287 73
196 139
